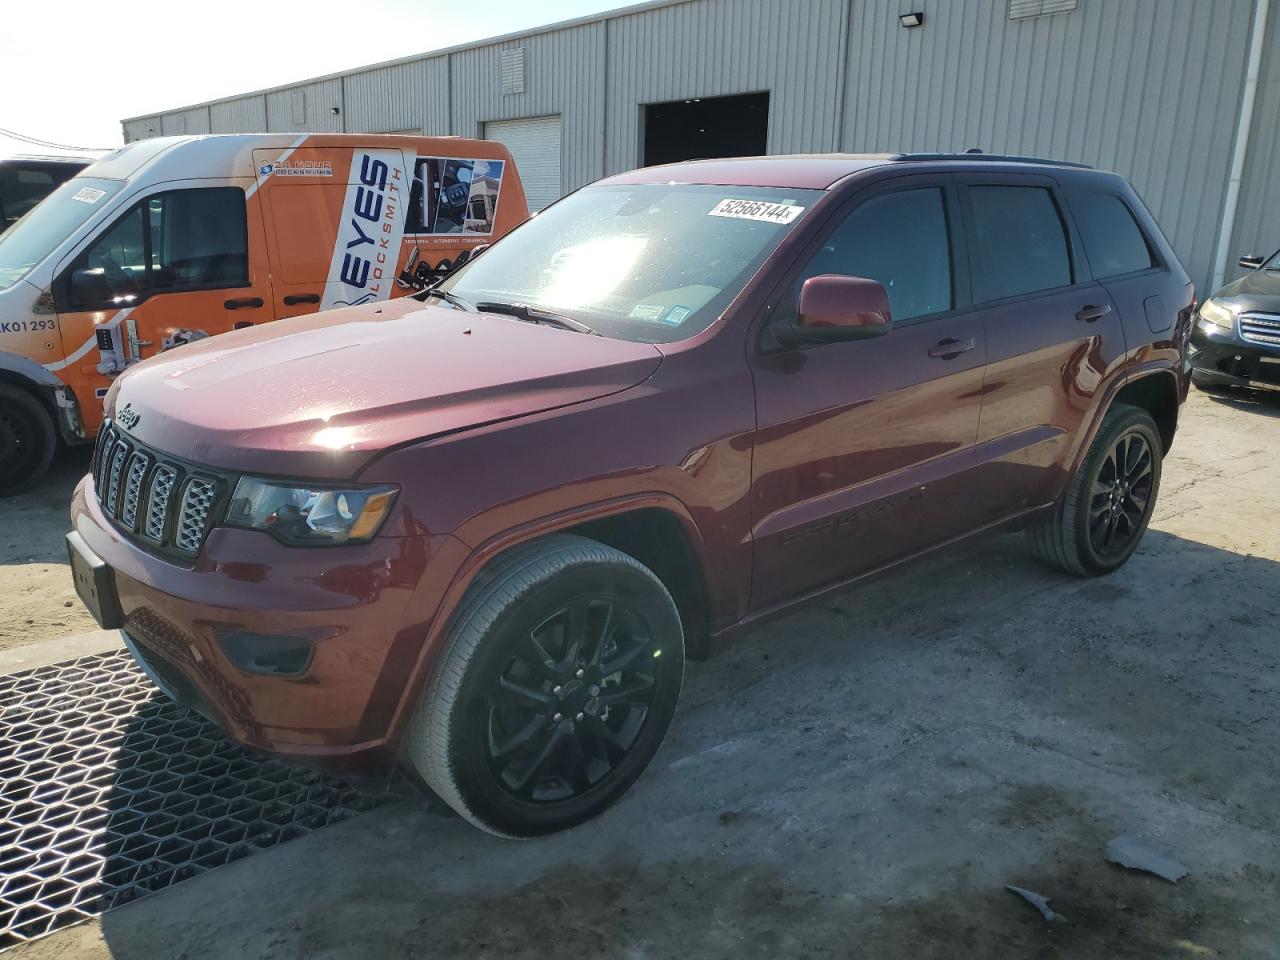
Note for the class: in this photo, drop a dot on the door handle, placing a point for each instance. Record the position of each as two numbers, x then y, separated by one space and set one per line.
950 348
1090 313
296 298
242 302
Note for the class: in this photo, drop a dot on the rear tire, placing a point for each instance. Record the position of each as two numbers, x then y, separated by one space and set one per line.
555 685
27 440
1102 515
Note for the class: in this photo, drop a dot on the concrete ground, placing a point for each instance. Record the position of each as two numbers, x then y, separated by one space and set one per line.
861 779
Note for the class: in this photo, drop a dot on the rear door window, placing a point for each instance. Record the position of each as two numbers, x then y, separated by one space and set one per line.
1019 241
1113 241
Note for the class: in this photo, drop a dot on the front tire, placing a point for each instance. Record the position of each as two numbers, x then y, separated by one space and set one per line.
1108 503
555 686
27 440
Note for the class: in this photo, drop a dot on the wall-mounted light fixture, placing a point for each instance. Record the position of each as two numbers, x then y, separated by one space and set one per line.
911 19
335 111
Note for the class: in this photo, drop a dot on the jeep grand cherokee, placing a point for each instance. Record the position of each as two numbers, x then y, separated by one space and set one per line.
478 534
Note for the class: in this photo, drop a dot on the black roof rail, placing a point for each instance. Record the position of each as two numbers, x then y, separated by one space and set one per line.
993 157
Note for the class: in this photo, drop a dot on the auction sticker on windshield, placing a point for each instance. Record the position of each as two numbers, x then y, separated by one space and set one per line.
88 195
756 210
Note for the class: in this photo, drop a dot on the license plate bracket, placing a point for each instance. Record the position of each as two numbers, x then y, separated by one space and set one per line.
95 583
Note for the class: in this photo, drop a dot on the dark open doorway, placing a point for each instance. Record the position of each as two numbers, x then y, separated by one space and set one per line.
736 126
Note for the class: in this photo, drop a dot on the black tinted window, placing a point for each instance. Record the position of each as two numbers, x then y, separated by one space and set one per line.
899 239
21 188
1021 245
178 240
1113 240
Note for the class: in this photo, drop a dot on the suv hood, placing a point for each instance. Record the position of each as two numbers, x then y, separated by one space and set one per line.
317 396
1256 290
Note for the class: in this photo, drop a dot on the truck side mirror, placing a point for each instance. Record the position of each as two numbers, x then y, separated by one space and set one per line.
1251 261
836 308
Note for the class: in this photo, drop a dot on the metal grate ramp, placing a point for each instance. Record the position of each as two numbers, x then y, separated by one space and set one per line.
108 792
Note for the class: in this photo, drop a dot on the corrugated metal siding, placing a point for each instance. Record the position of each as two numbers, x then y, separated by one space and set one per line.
318 99
563 72
1148 88
405 96
142 128
717 47
243 115
1258 214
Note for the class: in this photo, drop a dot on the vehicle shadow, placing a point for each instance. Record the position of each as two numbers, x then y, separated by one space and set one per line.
37 597
882 762
1264 402
32 523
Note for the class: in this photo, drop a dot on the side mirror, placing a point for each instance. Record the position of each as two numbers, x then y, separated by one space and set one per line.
89 288
836 308
1252 261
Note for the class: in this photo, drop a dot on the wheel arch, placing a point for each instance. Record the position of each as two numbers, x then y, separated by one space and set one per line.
673 548
1155 391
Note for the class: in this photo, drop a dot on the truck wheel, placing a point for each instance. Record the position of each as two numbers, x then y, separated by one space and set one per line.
1108 502
555 685
27 439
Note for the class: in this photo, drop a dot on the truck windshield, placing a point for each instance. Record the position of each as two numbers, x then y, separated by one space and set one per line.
54 219
647 262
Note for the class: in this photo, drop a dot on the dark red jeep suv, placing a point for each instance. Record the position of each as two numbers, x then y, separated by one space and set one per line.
479 533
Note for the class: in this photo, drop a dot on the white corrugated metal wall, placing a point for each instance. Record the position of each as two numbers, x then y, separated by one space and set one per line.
1150 88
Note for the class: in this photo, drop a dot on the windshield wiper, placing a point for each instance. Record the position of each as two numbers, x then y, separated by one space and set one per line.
447 297
522 311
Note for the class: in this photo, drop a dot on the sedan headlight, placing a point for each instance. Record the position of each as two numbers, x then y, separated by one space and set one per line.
310 515
1212 312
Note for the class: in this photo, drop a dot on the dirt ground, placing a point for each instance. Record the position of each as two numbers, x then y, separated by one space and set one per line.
863 778
37 600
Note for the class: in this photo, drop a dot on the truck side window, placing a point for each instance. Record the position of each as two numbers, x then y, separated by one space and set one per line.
1113 241
169 242
899 239
1020 242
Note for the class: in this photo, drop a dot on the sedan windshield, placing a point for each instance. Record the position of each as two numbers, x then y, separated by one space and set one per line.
52 220
646 262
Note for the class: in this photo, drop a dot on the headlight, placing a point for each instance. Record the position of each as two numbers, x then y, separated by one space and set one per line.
1212 312
307 516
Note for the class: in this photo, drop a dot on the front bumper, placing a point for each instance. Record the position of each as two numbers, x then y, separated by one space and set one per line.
1223 356
353 605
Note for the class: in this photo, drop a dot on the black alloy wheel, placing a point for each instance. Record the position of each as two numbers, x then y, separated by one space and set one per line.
1120 497
568 706
555 685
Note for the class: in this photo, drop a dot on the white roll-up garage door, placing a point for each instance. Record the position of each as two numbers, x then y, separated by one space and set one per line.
535 144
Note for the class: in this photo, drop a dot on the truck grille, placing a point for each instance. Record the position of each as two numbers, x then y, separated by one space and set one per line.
1260 327
162 502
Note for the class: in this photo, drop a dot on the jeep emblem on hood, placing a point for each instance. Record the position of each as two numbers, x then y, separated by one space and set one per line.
128 417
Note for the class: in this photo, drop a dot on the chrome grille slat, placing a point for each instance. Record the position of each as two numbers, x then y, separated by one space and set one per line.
1260 327
105 445
139 464
161 501
193 517
119 454
162 483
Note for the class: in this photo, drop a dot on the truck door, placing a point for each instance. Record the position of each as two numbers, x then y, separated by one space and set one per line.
181 263
335 220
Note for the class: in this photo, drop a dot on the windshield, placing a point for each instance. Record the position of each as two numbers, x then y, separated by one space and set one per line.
54 219
647 262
